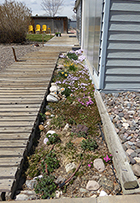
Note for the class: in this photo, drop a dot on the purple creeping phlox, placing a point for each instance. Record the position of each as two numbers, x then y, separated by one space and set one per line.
86 101
107 158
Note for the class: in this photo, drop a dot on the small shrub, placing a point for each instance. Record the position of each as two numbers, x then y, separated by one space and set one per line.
51 161
89 145
72 56
52 138
46 187
14 22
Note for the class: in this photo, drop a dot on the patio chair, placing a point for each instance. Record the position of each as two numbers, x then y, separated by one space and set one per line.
44 28
37 29
30 29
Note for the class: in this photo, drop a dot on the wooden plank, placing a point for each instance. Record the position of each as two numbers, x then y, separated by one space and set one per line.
14 136
9 162
11 152
8 172
6 184
16 123
15 129
13 143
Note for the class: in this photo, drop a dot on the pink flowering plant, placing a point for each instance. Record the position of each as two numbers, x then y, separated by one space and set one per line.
108 158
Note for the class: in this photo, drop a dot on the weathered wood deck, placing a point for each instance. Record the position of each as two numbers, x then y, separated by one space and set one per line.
23 87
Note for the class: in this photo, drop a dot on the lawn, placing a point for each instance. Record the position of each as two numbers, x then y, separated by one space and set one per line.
39 37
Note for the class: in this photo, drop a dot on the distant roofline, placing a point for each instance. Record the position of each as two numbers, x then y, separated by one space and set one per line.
49 17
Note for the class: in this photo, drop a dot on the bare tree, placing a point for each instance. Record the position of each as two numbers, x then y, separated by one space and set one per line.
51 6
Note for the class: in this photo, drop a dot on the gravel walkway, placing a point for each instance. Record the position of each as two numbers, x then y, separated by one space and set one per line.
6 53
124 111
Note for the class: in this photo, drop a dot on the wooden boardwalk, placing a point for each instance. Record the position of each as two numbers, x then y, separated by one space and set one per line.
23 87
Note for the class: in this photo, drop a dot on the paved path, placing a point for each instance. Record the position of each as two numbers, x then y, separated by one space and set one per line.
23 87
108 199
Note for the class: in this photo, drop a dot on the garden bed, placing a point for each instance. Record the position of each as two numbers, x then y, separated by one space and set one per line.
71 156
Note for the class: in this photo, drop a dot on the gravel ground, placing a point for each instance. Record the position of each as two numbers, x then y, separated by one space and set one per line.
6 53
124 111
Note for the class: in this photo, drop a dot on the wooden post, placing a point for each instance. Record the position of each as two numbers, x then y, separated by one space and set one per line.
14 54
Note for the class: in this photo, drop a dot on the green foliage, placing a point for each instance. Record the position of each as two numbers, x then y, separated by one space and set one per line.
72 67
51 161
69 145
82 134
59 121
53 138
89 144
43 116
38 37
67 92
33 166
46 186
72 56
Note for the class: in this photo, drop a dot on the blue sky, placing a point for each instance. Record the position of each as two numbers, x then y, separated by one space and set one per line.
34 5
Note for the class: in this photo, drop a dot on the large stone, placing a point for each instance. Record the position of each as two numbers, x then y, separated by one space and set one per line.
136 169
31 183
78 140
99 165
70 167
92 185
26 195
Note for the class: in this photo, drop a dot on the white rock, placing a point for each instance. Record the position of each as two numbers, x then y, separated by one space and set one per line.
40 176
92 185
99 165
51 132
52 98
66 127
125 125
22 197
70 167
54 88
103 193
58 194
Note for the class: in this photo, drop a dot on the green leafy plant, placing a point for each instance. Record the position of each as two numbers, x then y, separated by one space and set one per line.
69 145
53 138
72 67
43 116
46 186
50 162
72 56
89 144
66 92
